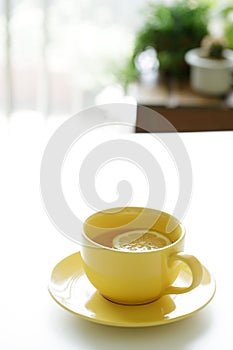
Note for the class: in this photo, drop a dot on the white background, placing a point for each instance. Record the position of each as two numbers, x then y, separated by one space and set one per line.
31 247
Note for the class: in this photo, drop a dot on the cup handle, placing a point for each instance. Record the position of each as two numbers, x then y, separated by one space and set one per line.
196 269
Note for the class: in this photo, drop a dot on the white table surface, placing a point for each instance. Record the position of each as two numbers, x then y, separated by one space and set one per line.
31 246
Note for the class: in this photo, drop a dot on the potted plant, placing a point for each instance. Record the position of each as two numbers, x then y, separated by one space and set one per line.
211 66
171 30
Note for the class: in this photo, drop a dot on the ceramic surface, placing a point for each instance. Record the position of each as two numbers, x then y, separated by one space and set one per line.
71 289
136 277
210 76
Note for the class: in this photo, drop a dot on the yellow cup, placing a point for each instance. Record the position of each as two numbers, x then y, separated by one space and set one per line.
129 277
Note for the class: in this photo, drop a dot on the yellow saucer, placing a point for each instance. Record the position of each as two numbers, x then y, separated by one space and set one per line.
71 289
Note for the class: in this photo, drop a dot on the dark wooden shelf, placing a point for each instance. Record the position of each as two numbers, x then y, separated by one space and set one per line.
185 109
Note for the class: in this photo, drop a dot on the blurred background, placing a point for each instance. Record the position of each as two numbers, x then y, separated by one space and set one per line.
59 56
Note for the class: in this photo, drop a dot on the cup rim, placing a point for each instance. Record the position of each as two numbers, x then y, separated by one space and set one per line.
94 244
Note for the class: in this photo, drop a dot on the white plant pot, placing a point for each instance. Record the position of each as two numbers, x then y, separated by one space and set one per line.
210 76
